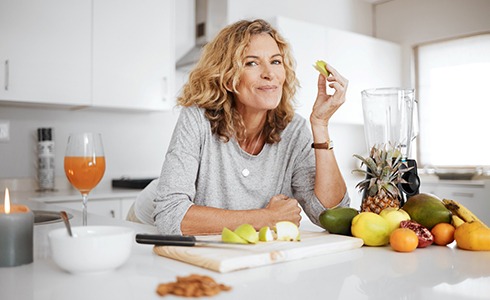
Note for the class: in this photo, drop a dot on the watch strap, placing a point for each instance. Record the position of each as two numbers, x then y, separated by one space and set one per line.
327 145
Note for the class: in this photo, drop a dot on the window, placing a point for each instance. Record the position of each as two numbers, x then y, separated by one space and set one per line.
453 91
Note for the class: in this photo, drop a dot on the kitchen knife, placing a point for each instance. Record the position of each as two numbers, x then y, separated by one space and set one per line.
178 240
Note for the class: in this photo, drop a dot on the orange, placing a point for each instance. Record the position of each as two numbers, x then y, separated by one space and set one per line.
443 234
404 240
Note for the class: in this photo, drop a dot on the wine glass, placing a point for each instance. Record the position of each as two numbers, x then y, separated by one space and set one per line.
84 164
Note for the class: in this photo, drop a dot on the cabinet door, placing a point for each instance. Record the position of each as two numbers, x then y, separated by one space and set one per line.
365 61
45 51
133 54
107 208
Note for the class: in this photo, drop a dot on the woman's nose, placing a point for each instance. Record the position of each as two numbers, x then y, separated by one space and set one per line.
267 73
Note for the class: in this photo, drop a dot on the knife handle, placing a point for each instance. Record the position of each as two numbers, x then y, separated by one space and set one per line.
166 240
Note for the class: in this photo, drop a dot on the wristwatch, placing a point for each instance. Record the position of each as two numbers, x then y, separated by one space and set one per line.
327 145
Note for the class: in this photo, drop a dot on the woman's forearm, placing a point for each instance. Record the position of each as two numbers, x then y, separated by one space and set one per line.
330 186
209 220
201 220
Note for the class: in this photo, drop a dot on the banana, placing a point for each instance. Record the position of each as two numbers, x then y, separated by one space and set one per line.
456 221
461 211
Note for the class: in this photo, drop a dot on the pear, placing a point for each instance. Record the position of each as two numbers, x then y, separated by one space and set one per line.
287 231
229 236
248 233
321 67
265 234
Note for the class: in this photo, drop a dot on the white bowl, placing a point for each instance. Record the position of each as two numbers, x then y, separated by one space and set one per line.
92 248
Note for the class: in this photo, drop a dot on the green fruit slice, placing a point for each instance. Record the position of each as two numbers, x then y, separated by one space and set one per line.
287 231
265 234
321 67
248 233
229 236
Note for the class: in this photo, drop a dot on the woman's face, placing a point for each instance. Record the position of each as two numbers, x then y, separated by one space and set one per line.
261 81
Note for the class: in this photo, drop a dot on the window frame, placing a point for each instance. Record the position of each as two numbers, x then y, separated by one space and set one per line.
416 79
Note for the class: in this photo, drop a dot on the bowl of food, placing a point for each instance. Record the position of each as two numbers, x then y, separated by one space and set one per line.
91 249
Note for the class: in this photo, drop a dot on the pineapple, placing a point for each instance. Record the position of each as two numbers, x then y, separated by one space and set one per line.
384 172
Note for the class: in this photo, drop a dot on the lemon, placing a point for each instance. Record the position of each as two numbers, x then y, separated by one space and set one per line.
373 229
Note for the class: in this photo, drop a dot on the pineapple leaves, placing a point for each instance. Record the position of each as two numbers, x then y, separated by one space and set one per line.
384 170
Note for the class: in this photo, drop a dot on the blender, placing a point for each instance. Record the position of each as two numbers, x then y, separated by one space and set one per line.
388 120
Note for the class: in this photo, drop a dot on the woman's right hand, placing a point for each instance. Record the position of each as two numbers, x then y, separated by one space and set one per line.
283 208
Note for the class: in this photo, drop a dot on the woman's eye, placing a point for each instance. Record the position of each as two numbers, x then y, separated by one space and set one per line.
276 62
251 63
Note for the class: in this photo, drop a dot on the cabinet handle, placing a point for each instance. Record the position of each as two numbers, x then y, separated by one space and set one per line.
6 83
113 214
463 194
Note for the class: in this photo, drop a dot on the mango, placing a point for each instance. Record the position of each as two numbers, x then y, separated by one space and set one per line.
427 210
338 220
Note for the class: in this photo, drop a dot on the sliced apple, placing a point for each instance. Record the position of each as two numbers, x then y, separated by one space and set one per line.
229 236
248 233
265 234
321 67
287 231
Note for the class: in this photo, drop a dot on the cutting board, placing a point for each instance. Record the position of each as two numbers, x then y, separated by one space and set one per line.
227 258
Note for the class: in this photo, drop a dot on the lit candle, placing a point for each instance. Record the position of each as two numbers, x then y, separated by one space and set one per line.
16 234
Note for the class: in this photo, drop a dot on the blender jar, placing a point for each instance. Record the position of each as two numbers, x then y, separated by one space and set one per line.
388 118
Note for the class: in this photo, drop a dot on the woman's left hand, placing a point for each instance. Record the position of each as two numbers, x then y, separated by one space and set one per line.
326 105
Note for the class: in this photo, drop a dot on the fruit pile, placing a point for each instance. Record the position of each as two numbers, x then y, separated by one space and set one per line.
246 233
422 221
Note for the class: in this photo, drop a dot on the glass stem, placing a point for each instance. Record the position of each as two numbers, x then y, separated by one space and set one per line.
84 216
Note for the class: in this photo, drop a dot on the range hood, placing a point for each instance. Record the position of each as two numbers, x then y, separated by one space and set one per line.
210 17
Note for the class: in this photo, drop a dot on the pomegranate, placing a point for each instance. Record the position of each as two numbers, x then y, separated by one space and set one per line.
425 237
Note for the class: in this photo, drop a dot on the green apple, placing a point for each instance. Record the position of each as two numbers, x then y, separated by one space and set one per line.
248 233
229 236
265 234
287 231
394 216
321 67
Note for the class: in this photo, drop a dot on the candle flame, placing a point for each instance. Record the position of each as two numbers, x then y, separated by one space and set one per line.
7 201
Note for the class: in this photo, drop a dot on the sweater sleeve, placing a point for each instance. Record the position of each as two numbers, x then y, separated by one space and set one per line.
176 188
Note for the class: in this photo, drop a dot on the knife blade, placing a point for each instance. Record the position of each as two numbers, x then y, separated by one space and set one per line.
178 240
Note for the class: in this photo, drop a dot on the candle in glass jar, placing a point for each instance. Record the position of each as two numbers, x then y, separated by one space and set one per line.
16 234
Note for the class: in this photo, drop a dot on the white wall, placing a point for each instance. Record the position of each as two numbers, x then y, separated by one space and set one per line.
134 143
412 22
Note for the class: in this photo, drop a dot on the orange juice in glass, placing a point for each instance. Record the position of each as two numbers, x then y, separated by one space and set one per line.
84 164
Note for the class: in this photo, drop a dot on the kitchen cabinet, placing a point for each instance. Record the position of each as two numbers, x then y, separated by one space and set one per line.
45 51
365 61
472 194
133 54
116 208
101 53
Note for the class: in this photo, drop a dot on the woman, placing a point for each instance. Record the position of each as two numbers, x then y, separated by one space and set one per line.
239 154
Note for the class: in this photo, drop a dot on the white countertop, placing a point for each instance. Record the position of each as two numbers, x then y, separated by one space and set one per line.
367 273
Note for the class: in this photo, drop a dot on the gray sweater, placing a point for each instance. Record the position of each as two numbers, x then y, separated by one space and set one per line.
201 169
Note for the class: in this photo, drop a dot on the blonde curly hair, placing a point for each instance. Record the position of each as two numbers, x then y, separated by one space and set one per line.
212 83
